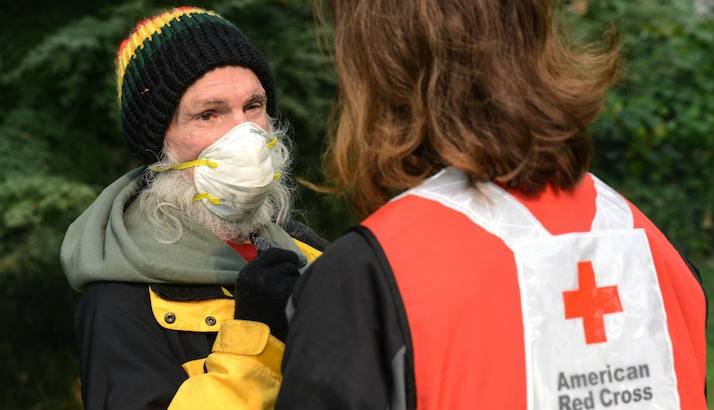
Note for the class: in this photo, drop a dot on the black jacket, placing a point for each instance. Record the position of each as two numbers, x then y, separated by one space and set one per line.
137 341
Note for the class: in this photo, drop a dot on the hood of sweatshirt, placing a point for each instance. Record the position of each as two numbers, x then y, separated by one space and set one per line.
112 241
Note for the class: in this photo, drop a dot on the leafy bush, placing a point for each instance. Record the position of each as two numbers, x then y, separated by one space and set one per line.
655 141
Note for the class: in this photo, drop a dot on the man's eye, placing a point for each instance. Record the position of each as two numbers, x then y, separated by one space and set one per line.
206 116
253 106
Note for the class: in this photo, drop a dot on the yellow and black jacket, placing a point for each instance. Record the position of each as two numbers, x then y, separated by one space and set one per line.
154 324
174 346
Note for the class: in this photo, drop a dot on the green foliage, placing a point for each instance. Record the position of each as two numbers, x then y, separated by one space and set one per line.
655 141
34 212
63 91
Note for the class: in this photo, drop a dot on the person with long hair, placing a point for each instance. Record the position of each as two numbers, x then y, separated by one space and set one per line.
492 271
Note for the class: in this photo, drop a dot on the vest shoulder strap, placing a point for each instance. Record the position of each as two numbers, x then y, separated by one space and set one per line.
497 211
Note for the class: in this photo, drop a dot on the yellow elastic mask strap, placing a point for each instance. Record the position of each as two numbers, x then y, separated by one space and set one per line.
186 165
277 176
272 143
208 197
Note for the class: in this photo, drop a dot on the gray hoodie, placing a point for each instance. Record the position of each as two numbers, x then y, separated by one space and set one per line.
111 241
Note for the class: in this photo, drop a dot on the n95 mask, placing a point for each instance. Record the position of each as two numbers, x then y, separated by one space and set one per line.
232 176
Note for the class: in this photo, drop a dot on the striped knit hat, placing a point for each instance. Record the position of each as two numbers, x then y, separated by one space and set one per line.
162 57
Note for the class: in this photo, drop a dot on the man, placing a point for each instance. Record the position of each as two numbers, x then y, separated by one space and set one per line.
505 276
159 323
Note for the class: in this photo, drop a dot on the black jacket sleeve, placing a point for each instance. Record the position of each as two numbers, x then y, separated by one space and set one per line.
303 233
348 345
126 362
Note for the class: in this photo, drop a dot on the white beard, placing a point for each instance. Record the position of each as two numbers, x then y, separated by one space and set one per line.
169 194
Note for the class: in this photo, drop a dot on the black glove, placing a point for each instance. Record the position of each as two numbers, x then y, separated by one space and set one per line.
263 288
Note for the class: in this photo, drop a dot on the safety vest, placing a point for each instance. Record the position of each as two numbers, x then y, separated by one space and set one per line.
505 314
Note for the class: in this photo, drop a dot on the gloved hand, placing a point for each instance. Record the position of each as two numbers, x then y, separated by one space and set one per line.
263 288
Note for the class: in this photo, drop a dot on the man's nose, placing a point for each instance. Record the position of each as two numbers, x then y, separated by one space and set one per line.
238 117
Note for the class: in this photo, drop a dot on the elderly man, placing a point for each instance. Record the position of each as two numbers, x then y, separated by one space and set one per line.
160 323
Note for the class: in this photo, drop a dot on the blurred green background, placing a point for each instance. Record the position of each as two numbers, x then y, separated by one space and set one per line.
60 144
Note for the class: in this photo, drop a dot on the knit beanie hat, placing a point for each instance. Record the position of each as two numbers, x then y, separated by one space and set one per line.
163 56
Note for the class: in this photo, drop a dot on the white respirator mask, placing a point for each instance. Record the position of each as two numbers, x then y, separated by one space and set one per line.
232 176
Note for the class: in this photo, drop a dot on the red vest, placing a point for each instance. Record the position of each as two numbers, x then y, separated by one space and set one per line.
459 283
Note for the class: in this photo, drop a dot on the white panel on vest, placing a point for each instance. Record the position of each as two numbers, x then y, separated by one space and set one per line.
594 323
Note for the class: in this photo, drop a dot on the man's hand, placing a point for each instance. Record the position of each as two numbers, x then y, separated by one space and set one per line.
263 288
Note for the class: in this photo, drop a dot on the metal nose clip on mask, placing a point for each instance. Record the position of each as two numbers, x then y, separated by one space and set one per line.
233 175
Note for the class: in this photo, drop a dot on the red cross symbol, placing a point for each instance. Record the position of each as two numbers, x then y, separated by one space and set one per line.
591 303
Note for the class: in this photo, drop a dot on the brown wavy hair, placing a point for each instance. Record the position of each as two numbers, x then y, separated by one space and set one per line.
490 87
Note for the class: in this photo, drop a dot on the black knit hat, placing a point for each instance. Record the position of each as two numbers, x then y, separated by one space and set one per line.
163 56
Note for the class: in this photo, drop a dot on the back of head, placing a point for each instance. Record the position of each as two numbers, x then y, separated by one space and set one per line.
487 86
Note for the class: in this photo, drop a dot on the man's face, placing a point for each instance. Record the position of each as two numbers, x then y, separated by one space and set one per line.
212 106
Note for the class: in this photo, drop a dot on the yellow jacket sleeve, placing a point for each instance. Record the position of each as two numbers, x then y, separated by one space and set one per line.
241 373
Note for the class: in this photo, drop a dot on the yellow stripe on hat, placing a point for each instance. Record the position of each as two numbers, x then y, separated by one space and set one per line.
144 30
